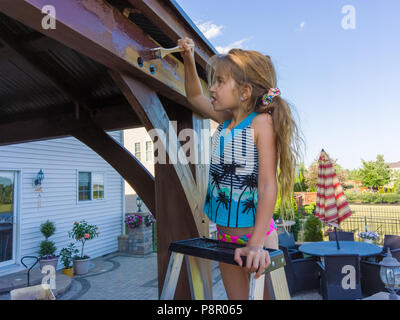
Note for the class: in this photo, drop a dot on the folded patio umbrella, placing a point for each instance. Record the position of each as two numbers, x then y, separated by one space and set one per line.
332 207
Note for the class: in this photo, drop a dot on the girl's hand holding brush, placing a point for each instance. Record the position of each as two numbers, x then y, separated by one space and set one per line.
188 45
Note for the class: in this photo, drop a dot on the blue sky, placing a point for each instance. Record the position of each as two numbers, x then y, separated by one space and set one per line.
343 83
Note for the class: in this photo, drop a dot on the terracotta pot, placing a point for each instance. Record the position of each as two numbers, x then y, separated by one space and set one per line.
52 262
81 266
68 272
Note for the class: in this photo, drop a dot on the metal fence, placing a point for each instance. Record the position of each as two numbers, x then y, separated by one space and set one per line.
382 219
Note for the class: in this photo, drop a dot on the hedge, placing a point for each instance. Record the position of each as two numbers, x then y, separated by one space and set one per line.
372 198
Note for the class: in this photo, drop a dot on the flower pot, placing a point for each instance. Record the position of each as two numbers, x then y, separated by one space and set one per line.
68 272
368 240
81 266
52 262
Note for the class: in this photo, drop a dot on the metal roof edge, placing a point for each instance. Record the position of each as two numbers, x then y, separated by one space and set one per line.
183 14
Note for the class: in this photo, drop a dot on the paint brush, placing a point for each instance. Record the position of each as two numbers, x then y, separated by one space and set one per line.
160 53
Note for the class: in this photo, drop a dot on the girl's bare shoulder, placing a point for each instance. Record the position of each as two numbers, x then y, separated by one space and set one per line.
261 122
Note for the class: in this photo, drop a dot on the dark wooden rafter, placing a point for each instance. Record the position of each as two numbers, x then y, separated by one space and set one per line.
47 126
96 29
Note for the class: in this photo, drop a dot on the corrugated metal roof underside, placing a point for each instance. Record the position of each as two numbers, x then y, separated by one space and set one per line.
25 91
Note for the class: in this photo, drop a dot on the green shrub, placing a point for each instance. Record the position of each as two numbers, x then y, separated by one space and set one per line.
309 208
391 198
313 229
47 229
47 247
372 197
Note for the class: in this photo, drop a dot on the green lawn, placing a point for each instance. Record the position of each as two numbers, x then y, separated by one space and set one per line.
5 208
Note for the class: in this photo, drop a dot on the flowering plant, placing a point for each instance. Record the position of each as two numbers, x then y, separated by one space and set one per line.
149 220
82 232
133 221
371 235
66 255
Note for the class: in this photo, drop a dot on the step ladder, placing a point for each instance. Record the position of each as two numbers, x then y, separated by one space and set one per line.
198 249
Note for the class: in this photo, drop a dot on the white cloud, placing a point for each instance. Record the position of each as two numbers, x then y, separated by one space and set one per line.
301 26
236 44
209 29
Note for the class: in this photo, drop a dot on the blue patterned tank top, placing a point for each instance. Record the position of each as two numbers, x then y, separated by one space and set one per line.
232 196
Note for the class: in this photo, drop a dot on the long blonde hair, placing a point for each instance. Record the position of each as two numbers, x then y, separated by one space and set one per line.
257 70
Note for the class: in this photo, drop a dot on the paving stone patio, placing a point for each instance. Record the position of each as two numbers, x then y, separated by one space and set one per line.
120 276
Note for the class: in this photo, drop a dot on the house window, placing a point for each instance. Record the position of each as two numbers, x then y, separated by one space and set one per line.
84 186
91 186
149 150
137 150
98 186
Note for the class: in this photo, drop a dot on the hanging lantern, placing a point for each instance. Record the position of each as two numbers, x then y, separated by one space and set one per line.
139 203
39 178
390 274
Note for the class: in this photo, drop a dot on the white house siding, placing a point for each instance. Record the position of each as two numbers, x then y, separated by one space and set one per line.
60 160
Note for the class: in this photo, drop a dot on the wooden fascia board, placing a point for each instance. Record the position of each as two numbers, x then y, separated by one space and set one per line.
98 30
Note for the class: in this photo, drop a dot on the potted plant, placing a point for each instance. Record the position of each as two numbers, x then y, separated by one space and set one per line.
82 232
149 220
133 221
369 236
66 255
47 247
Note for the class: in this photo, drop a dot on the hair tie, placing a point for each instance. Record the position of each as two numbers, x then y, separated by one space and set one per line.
267 97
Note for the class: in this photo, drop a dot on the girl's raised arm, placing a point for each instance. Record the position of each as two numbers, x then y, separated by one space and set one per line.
194 91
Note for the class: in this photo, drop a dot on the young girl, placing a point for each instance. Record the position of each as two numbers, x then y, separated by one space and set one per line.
256 133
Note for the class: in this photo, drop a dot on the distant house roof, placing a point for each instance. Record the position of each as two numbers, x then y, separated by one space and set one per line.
394 165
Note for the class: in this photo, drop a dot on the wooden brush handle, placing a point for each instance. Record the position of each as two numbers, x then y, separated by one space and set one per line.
177 49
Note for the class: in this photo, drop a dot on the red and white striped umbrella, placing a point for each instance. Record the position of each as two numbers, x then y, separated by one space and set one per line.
332 206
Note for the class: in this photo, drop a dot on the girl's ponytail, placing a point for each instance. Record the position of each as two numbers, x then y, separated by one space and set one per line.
288 144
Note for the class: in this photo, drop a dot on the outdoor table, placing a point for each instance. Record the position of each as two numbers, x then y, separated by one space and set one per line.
326 248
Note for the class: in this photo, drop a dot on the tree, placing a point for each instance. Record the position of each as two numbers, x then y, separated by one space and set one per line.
375 174
354 175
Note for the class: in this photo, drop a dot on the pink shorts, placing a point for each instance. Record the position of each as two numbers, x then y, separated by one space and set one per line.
245 238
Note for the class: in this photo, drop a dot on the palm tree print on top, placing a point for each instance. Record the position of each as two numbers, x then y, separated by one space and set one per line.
250 205
222 199
230 171
215 182
248 181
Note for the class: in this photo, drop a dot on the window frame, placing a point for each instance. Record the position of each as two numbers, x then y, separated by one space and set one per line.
91 186
150 151
140 150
